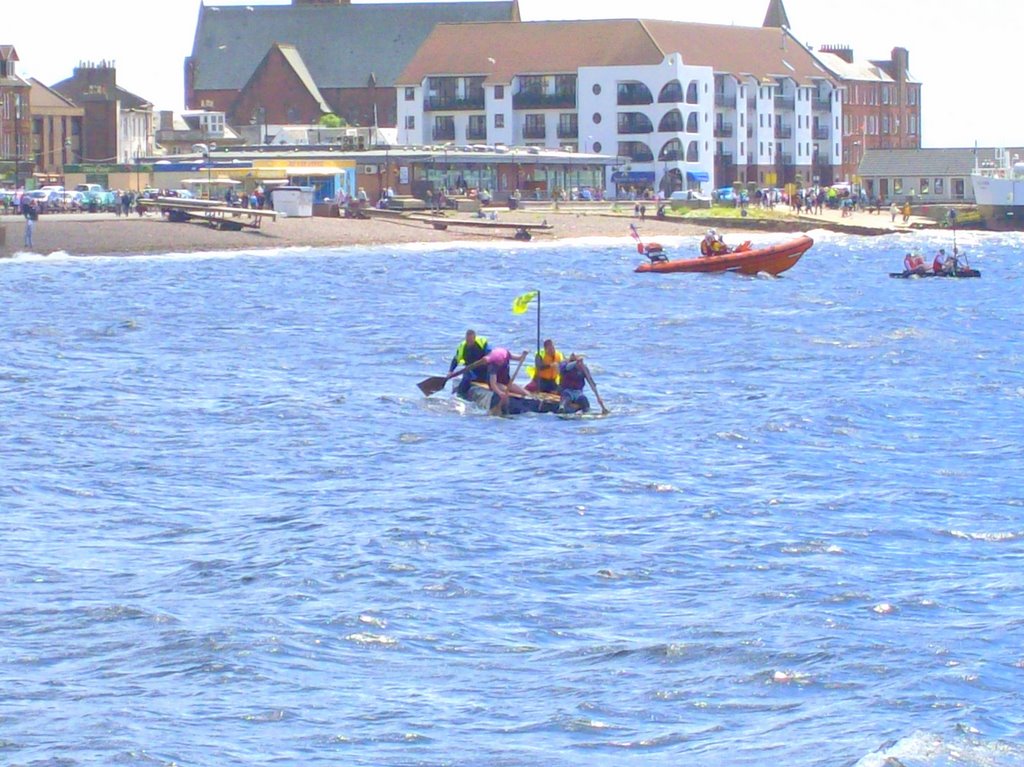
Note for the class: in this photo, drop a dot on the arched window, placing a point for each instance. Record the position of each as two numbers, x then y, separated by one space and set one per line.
672 122
692 152
672 151
693 123
636 151
692 93
672 93
634 93
635 122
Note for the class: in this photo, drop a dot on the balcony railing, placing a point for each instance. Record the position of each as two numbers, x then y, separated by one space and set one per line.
635 126
785 102
476 134
568 132
535 131
724 100
723 130
634 98
820 133
725 158
534 100
822 104
453 104
443 133
783 131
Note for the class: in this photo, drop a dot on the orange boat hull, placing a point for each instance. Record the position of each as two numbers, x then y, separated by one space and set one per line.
774 259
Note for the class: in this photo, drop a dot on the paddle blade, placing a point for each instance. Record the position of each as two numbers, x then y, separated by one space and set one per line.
432 385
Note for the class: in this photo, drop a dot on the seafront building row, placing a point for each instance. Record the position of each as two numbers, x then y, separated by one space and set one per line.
641 104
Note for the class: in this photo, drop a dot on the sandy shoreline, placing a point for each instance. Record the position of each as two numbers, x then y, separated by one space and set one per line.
102 234
106 234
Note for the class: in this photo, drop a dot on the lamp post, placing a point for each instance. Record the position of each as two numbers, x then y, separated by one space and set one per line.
204 150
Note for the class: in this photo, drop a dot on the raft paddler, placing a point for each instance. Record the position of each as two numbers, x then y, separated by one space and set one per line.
499 378
472 349
545 376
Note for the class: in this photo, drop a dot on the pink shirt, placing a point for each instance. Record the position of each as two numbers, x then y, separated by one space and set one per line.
498 356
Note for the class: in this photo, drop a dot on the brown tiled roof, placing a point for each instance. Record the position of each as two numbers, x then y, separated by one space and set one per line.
502 50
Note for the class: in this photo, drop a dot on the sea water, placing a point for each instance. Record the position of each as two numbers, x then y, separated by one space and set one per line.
235 533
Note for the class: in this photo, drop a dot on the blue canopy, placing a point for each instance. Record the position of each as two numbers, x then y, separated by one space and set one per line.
698 175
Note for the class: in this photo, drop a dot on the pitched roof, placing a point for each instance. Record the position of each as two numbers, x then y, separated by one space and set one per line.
895 163
45 97
342 45
502 50
294 58
7 53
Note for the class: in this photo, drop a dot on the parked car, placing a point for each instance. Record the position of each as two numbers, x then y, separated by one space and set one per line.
46 200
728 195
72 201
688 194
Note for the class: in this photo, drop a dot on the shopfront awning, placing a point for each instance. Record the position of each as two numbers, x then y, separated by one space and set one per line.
699 175
315 170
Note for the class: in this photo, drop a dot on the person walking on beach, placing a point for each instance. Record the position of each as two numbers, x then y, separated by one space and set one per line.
31 214
893 210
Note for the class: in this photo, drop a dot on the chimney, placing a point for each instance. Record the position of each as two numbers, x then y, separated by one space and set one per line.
900 63
166 120
845 52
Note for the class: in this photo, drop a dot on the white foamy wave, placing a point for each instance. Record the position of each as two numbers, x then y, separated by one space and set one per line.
924 749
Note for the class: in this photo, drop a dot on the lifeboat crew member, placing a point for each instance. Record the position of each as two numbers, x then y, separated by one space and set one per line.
545 376
712 244
913 263
470 351
498 378
573 375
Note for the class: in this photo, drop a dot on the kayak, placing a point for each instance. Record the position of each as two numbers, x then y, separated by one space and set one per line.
958 274
481 395
773 259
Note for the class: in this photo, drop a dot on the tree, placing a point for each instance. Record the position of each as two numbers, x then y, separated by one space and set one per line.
332 121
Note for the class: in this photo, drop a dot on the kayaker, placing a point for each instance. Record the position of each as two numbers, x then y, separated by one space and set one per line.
573 376
545 376
913 263
470 351
498 377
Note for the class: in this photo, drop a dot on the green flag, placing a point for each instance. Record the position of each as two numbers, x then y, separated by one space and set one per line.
522 303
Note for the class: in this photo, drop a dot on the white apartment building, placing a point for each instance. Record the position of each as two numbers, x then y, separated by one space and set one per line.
683 106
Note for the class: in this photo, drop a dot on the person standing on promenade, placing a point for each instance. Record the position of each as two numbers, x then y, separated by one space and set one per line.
893 210
31 214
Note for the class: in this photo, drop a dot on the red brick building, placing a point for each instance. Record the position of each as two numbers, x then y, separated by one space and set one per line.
289 64
881 104
15 119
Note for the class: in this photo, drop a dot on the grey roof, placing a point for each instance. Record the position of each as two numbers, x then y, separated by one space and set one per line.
343 45
896 163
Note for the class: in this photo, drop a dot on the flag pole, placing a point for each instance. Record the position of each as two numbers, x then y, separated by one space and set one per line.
538 320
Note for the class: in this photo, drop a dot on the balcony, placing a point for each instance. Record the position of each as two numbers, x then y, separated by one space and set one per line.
725 100
783 160
723 130
822 104
635 126
634 95
726 158
534 131
535 100
568 131
820 133
443 133
785 102
453 104
783 131
476 134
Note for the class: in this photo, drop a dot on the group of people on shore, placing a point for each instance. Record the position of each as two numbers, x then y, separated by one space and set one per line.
942 264
476 361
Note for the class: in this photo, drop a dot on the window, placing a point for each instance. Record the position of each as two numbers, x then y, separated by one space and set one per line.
596 89
596 118
597 147
912 125
410 122
499 92
410 94
938 186
897 186
912 96
958 188
885 94
885 124
499 121
923 185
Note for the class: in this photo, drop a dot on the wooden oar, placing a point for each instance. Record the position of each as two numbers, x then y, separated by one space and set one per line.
434 384
590 380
